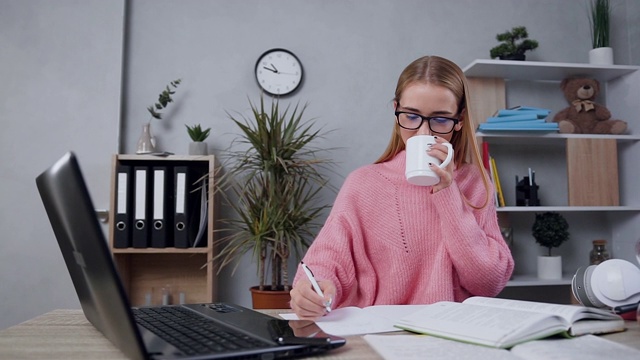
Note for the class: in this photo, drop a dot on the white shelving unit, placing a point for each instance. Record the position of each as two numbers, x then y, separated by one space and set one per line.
497 84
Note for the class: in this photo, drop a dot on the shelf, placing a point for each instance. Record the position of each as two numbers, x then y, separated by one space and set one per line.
520 137
508 209
532 280
544 71
196 250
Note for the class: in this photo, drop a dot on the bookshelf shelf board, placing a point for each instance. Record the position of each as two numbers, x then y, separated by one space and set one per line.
170 250
544 71
515 137
532 280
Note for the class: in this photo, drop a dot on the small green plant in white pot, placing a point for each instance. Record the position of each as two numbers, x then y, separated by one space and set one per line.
198 136
600 12
550 230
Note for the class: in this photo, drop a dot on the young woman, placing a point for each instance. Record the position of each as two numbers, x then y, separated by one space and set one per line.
387 241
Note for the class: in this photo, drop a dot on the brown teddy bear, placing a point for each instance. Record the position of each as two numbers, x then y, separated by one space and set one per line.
585 116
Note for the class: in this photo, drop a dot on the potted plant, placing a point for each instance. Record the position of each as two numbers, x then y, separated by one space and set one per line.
146 142
272 185
602 53
550 230
514 44
198 136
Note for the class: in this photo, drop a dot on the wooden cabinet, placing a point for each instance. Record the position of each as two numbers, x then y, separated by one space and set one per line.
600 171
185 274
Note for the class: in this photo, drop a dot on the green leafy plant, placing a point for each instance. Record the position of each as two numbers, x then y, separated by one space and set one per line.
197 134
164 99
273 186
599 20
514 44
550 230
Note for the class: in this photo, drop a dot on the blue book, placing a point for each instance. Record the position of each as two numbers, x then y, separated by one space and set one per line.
541 113
533 124
510 118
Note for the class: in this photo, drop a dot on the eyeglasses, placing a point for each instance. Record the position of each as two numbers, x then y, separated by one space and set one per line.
437 124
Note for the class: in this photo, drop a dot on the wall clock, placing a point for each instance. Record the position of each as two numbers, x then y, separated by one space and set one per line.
278 72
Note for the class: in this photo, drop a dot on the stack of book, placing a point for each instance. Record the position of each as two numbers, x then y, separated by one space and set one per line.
521 118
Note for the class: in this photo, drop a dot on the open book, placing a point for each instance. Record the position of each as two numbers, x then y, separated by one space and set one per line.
504 323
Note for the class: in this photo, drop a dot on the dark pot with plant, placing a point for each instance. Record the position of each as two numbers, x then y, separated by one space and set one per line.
514 44
550 230
146 142
272 185
197 146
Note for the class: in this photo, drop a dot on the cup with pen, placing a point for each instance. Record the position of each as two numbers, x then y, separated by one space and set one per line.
527 190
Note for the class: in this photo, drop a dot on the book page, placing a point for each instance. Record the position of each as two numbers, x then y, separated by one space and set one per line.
588 347
356 321
419 347
570 313
481 324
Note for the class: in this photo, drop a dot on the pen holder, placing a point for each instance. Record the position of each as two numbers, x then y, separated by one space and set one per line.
527 192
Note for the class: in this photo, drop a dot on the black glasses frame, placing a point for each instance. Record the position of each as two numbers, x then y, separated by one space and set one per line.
428 120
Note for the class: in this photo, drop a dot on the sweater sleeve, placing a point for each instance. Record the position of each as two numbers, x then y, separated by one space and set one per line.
480 256
331 255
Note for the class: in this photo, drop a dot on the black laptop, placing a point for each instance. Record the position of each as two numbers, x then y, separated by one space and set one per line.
190 331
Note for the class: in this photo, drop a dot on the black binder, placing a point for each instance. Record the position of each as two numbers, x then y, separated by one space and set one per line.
186 214
123 209
161 234
142 193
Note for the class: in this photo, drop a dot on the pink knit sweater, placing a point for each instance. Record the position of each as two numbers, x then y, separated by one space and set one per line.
389 242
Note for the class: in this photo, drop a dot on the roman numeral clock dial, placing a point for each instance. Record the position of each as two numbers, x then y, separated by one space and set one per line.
278 72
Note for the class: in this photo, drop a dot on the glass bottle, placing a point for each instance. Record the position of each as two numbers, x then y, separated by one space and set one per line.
599 252
146 142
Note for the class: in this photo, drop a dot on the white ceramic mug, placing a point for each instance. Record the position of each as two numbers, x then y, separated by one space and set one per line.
417 170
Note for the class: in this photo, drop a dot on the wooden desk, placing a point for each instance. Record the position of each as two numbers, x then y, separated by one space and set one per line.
66 334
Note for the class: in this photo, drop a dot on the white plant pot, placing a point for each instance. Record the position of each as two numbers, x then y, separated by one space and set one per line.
550 267
601 56
198 148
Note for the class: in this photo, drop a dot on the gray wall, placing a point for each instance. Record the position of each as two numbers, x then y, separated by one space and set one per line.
352 51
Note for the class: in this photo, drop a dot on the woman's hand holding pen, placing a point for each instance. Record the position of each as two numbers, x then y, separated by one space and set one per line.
306 302
446 174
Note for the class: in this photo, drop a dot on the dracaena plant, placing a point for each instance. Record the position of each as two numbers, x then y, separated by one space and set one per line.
272 183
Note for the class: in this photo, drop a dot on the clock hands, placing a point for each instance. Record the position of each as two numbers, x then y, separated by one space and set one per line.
273 69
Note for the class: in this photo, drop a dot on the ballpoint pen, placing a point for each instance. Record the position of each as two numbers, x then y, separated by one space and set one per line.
315 285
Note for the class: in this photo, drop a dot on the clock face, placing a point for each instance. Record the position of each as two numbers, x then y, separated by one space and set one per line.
278 72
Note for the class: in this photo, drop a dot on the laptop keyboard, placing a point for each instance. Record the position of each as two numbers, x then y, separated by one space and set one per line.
191 333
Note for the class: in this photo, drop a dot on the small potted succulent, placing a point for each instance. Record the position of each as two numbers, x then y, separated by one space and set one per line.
550 230
197 146
514 44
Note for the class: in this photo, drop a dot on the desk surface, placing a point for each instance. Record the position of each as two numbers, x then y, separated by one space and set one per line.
66 334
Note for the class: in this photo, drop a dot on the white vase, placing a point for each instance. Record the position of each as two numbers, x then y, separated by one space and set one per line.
198 148
146 142
601 56
550 267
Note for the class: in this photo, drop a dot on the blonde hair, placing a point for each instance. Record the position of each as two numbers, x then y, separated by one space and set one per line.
442 72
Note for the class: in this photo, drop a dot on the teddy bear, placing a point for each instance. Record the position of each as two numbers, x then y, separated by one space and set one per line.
584 116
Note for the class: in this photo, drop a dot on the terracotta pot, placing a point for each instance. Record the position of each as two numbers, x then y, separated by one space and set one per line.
270 299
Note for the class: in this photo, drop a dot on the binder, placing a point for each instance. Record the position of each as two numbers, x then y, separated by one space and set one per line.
122 223
161 236
142 191
187 207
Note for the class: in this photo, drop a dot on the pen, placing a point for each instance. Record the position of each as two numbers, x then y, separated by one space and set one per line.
625 308
314 283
